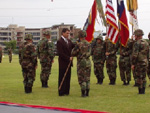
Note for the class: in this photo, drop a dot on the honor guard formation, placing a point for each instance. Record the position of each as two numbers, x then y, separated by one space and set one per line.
133 58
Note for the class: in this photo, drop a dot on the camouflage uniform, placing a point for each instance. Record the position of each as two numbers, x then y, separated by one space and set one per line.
82 51
28 61
98 57
140 57
45 52
111 61
1 54
133 71
10 54
74 40
148 68
124 63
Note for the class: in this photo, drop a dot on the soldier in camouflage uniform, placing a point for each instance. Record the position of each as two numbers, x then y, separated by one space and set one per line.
124 62
98 57
45 52
111 60
10 54
148 68
132 41
140 58
1 54
28 61
82 51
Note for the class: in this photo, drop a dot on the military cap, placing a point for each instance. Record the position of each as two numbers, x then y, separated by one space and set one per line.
99 37
82 34
138 32
46 33
28 37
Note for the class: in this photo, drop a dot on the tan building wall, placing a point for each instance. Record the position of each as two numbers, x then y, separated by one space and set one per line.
57 29
7 34
20 33
14 32
36 32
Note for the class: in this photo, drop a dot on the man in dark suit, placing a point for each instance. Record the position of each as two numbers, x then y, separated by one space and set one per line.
64 48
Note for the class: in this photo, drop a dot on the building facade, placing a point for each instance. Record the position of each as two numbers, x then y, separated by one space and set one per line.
36 32
57 29
14 32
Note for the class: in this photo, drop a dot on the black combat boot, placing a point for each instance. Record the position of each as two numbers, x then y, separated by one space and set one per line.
46 86
83 93
113 81
135 85
43 83
27 89
30 89
124 82
140 90
98 80
143 90
128 82
101 81
87 92
110 82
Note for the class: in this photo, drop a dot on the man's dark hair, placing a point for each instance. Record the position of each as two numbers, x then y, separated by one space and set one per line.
64 30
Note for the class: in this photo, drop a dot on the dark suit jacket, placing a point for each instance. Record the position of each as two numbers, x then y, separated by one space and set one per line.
64 52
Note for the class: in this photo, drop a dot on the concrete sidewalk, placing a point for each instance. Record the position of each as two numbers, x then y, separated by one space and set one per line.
18 109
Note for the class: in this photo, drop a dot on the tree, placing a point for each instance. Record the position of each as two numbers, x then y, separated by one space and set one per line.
11 44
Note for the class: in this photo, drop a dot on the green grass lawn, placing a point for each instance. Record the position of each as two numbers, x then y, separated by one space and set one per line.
114 99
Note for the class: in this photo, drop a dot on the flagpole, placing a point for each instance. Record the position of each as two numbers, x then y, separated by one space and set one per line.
132 29
107 37
65 75
119 38
132 22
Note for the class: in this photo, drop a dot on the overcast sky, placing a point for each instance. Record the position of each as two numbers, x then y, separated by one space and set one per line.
44 13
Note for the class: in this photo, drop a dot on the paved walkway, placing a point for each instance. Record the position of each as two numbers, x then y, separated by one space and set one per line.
17 109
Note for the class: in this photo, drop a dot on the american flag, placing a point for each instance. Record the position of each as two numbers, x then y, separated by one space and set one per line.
113 31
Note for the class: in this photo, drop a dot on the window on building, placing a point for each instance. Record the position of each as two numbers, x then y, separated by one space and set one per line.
2 43
53 33
33 33
4 39
19 33
71 34
35 43
19 39
71 28
53 37
36 38
4 34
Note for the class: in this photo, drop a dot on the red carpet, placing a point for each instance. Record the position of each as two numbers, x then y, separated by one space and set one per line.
7 107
